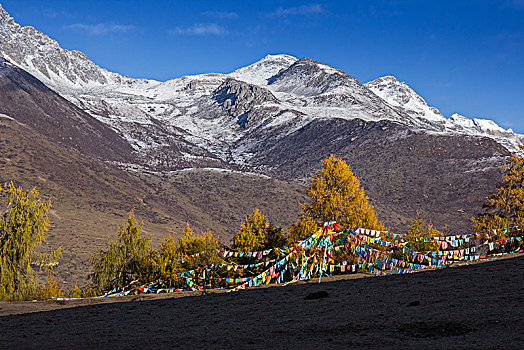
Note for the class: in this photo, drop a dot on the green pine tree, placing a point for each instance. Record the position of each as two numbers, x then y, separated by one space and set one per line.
125 261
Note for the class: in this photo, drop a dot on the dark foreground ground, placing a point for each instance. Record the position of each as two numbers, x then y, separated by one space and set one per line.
478 306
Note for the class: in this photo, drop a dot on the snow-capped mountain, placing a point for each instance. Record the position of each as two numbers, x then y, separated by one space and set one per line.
45 59
260 72
218 118
402 97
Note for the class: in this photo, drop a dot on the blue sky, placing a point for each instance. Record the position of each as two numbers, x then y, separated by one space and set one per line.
461 56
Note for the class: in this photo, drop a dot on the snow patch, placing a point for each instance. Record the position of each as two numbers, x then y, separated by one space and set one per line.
4 116
259 72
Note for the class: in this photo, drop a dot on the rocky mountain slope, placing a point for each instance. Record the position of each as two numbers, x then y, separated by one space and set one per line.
32 103
90 198
277 118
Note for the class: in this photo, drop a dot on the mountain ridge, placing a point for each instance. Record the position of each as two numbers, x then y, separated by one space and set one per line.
72 72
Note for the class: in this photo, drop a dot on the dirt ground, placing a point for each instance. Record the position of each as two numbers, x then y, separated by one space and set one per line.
472 306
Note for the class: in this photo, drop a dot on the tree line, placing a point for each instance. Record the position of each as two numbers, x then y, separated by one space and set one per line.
335 195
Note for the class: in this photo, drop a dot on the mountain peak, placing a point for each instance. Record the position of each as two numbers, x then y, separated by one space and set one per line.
259 72
483 125
400 95
388 79
58 68
278 57
5 17
308 62
307 77
43 57
3 12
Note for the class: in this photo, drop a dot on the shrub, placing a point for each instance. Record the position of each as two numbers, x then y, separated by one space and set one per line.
49 290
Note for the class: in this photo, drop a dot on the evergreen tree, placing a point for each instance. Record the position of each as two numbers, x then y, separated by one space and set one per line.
121 263
22 229
336 195
505 207
256 234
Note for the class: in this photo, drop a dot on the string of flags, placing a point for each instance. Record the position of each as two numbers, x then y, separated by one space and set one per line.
377 252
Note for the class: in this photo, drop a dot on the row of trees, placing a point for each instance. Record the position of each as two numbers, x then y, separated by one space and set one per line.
132 258
335 195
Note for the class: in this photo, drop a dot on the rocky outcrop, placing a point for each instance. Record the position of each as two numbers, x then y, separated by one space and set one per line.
238 98
316 78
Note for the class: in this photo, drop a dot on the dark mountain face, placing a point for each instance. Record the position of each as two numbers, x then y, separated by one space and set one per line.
444 177
26 99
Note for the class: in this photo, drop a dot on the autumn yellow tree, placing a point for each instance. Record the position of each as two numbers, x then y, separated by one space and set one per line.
302 229
205 244
187 252
419 237
336 194
23 224
256 234
505 207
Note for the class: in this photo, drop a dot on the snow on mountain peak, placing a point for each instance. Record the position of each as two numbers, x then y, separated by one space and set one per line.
387 79
204 111
483 125
3 13
486 127
259 72
307 77
400 95
278 58
305 61
43 57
